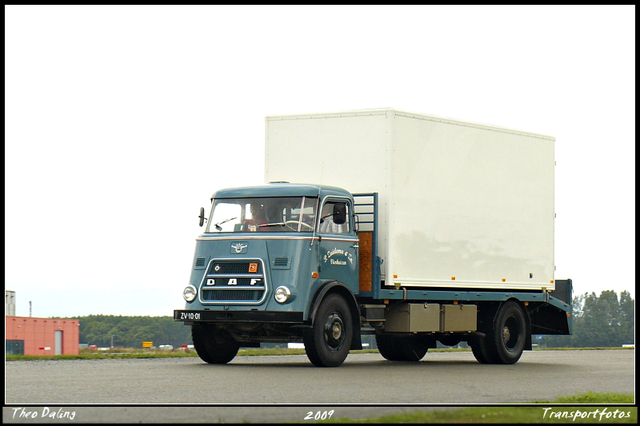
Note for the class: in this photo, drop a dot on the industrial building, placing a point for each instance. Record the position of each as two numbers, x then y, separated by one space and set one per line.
39 336
42 336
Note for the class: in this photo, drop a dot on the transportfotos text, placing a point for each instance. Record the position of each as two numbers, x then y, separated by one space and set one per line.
597 414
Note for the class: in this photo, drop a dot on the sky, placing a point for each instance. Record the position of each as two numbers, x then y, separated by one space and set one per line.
121 122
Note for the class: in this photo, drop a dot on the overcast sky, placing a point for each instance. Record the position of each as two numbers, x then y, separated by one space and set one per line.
121 121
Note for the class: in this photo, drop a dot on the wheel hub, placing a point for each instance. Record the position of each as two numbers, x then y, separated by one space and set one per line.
337 330
333 331
511 333
506 334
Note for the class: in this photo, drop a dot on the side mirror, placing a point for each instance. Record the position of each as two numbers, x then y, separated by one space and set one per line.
202 218
339 213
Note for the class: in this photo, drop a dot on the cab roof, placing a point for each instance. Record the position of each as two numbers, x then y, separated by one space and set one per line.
281 189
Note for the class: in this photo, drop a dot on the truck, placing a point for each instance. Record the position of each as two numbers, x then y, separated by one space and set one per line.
412 228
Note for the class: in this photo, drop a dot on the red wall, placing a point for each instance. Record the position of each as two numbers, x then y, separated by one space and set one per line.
40 333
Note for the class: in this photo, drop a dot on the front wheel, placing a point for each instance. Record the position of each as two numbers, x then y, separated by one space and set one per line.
213 345
328 342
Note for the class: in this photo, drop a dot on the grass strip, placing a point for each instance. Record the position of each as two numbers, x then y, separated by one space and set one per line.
547 412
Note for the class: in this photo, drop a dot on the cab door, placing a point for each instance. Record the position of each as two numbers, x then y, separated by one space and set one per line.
338 243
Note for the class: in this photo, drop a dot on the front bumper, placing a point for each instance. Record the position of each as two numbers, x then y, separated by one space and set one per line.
208 316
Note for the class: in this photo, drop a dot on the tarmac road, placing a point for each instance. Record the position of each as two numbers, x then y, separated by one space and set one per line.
264 389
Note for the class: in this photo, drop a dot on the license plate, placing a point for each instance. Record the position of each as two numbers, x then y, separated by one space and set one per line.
189 315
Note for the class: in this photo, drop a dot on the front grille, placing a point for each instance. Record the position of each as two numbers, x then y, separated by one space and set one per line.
223 295
229 281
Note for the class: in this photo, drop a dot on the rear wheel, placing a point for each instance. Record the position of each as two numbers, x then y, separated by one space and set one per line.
213 345
479 349
401 348
386 347
328 342
505 343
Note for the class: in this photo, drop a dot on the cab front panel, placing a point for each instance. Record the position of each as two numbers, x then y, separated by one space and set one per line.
240 274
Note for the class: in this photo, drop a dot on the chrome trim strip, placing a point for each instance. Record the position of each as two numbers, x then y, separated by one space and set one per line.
264 237
240 236
348 240
236 275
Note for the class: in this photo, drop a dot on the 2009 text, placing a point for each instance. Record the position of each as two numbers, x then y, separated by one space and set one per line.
319 415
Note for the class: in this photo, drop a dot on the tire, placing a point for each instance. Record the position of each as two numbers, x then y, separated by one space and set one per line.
387 348
479 349
214 346
401 348
411 348
505 343
328 342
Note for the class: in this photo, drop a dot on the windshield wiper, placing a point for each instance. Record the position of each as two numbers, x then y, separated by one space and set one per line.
217 225
273 224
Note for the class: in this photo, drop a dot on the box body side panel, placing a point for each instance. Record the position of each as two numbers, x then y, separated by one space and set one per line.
470 207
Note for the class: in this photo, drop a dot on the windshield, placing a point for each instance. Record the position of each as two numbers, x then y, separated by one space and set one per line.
273 214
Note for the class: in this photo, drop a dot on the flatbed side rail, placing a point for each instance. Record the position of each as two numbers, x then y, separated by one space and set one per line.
366 211
472 296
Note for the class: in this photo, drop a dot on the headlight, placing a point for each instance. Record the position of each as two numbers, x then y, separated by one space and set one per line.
282 294
190 293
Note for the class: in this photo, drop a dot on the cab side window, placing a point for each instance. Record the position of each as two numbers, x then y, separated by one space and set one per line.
335 218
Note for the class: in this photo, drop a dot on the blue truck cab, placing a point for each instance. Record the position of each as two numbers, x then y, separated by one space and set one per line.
270 256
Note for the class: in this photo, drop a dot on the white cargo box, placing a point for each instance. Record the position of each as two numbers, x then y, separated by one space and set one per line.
461 205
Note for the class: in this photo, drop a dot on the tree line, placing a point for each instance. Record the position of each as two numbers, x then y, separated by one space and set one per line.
131 331
606 320
599 321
